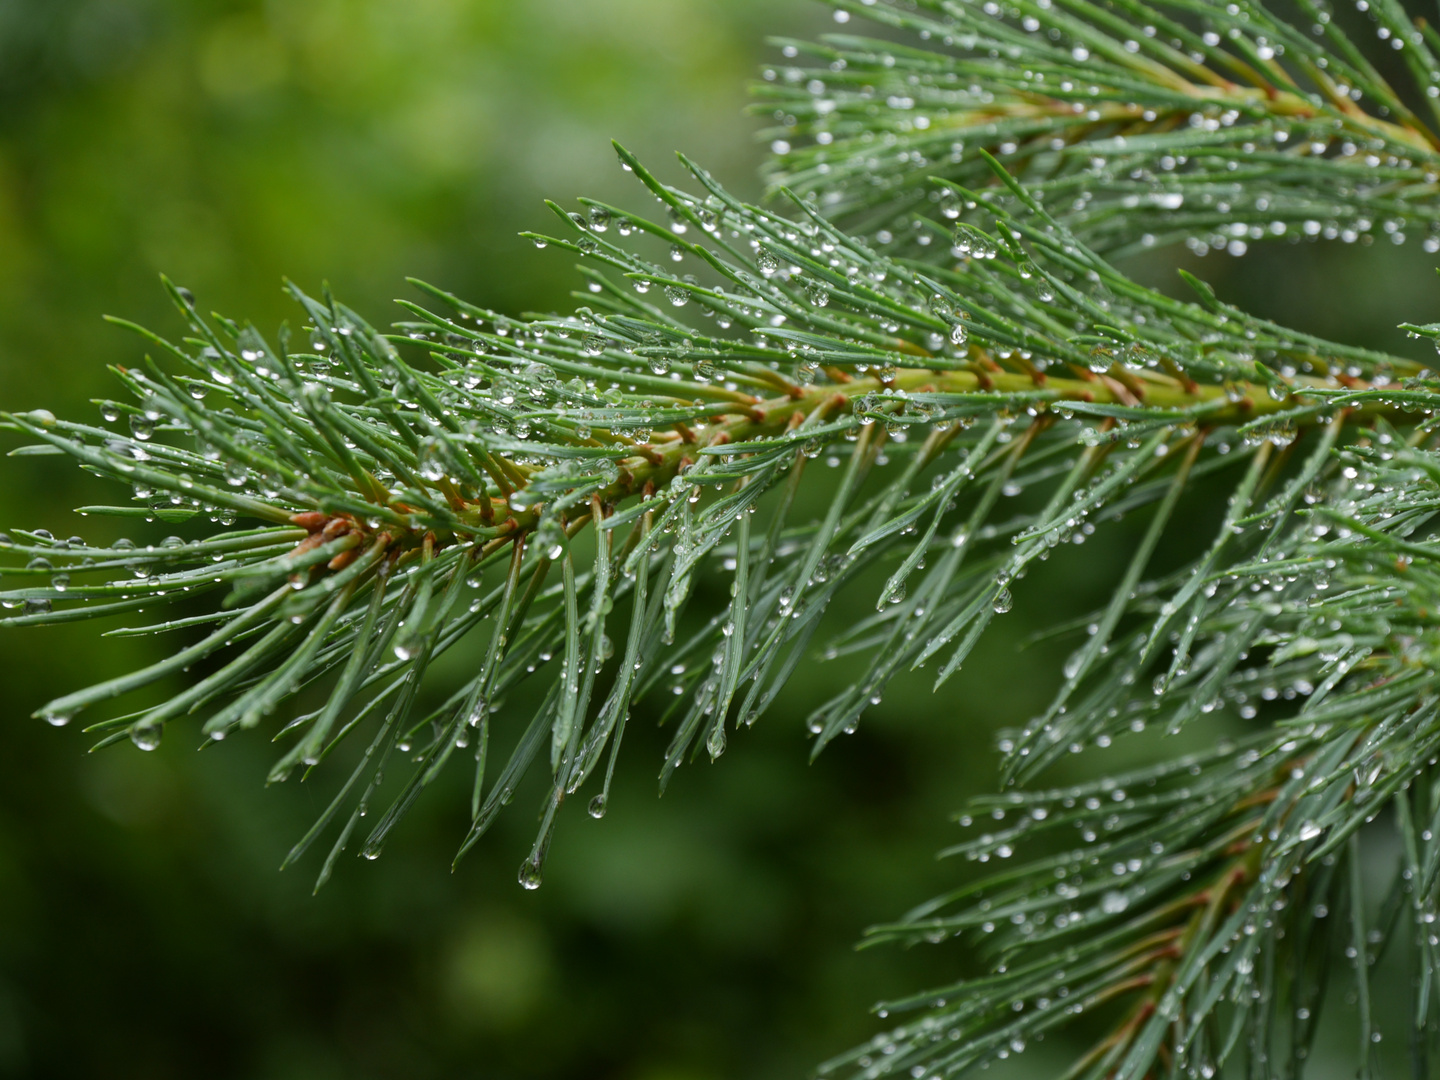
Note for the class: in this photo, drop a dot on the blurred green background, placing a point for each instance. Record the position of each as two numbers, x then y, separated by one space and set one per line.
144 930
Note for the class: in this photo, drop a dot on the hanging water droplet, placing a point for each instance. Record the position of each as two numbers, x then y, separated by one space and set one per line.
146 734
597 807
531 873
677 296
1003 601
715 741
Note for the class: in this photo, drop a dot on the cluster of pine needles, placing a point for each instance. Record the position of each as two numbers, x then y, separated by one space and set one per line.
923 319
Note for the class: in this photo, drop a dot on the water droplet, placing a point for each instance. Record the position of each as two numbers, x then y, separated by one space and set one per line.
432 460
146 735
1003 601
971 241
531 873
597 806
477 713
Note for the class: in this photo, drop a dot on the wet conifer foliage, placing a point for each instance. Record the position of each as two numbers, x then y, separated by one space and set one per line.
924 322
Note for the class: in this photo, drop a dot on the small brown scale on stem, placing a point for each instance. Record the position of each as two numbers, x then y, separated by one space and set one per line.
323 528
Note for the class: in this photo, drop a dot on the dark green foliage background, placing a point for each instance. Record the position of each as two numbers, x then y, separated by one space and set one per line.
144 930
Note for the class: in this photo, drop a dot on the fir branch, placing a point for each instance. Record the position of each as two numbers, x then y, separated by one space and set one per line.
407 481
1139 123
392 484
1200 880
631 446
